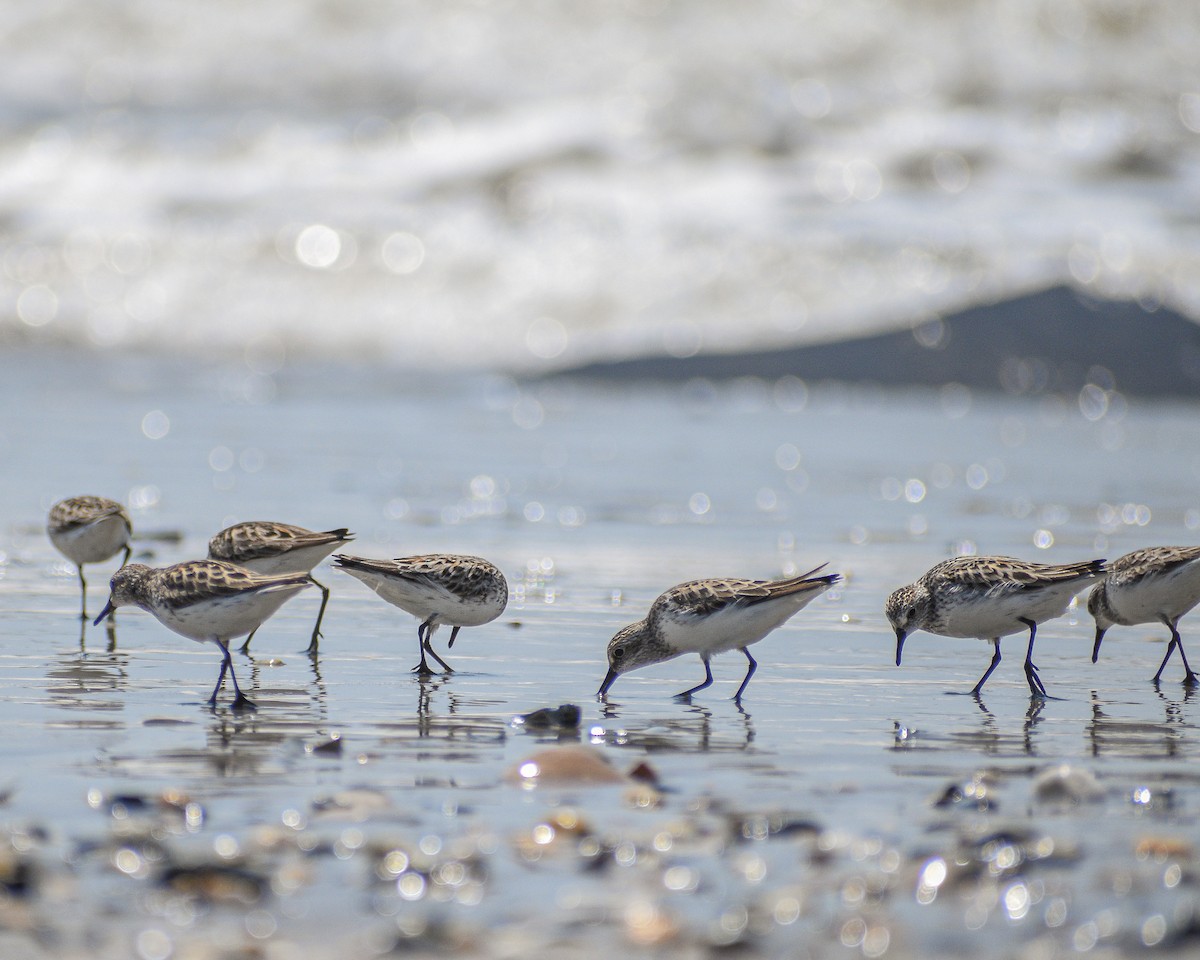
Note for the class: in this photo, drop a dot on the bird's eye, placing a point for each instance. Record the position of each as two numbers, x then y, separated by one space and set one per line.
619 653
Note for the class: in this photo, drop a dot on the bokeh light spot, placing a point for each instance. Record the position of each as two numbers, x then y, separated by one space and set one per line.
156 425
37 305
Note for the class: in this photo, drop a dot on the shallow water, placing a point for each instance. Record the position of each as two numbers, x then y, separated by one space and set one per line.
848 806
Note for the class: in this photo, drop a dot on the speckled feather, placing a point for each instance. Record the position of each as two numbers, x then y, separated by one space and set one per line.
697 599
1005 573
257 539
196 581
468 579
82 511
1148 562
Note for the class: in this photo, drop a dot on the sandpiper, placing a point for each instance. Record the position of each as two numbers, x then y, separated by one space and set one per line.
988 598
1154 585
708 617
457 590
206 601
89 530
267 547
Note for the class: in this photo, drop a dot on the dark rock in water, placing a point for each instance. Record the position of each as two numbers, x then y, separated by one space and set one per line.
17 874
975 794
332 747
1053 341
644 773
564 716
129 802
216 883
761 826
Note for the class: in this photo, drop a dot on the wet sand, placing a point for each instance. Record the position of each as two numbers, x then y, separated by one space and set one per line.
849 808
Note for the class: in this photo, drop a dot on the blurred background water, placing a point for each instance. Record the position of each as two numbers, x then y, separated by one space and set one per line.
294 262
531 186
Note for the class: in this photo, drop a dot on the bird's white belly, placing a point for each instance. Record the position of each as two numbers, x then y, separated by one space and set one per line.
407 596
224 618
425 602
469 613
93 543
729 629
998 616
1151 598
299 560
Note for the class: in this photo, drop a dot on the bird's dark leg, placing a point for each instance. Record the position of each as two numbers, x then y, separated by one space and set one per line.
1189 676
240 701
707 681
82 594
992 666
428 646
422 668
245 647
316 634
737 697
1170 649
453 636
1031 674
1162 666
128 554
226 664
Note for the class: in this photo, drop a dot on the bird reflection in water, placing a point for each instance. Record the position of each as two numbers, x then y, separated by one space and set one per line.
992 739
110 632
428 685
1168 738
309 700
692 731
82 681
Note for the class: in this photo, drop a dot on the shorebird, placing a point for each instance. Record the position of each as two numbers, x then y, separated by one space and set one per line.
206 601
456 590
89 530
988 598
707 617
267 547
1154 585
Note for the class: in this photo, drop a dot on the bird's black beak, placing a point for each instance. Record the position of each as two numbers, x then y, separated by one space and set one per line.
1096 648
104 614
900 635
609 679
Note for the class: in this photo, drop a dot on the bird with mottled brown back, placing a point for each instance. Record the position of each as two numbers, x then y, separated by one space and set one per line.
89 529
268 547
